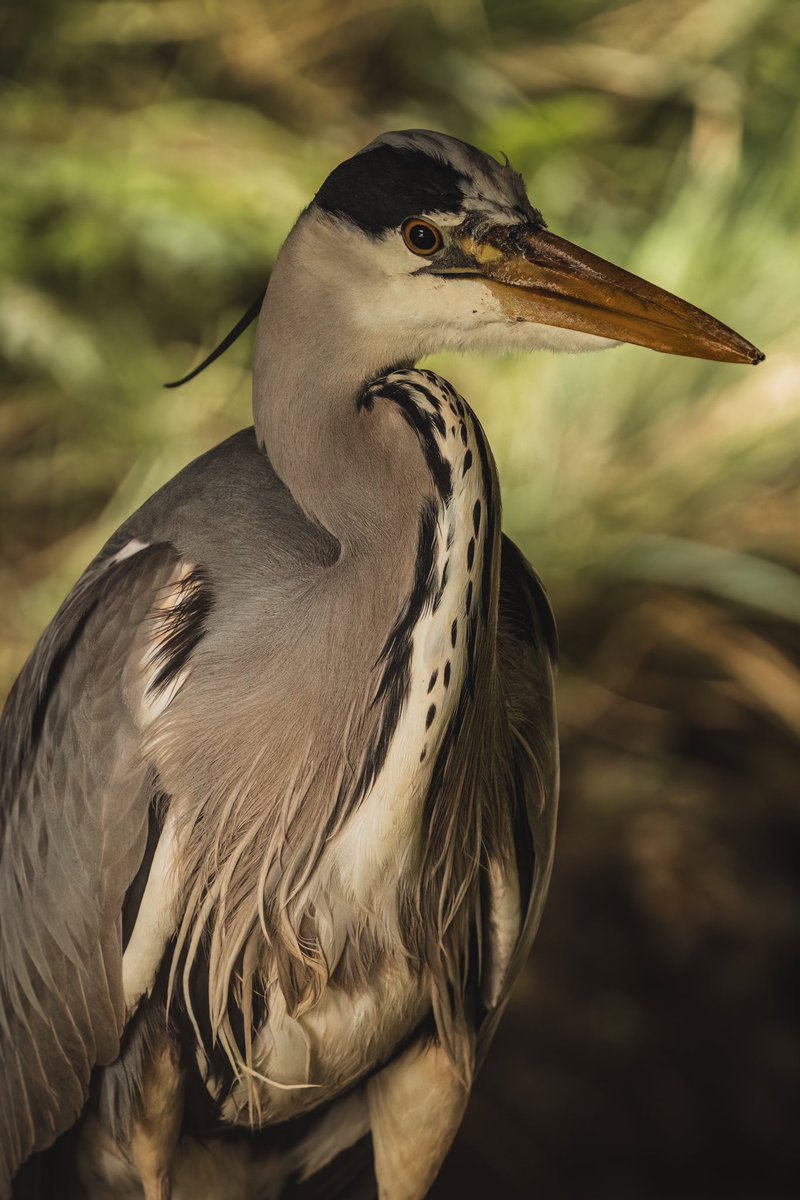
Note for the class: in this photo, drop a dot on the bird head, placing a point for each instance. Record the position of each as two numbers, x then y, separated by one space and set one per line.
439 241
420 243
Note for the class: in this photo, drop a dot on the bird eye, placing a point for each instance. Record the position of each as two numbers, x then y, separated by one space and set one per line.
421 236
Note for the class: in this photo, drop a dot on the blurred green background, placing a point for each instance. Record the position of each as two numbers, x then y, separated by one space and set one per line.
153 158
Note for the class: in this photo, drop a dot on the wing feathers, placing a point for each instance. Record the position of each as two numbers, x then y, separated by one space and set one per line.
74 797
516 889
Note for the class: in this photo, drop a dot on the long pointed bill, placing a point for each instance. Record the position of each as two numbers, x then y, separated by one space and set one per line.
540 277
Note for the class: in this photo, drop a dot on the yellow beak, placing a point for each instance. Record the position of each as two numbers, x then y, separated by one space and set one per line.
540 277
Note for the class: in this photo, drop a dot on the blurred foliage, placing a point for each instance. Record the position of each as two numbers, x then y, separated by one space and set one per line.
154 157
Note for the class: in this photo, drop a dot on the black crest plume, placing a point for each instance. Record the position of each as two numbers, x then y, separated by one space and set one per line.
227 341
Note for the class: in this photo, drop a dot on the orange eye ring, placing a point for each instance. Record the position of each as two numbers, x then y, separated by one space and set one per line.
421 236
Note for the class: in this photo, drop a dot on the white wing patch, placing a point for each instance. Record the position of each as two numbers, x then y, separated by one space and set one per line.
134 546
155 921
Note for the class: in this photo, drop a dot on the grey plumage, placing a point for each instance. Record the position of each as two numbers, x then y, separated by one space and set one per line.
279 781
73 811
240 844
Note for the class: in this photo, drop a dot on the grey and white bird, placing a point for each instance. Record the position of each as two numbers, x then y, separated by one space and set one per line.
279 780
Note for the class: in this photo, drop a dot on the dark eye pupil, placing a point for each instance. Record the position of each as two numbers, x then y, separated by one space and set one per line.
422 236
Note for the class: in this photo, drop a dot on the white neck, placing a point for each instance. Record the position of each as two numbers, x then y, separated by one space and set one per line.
313 359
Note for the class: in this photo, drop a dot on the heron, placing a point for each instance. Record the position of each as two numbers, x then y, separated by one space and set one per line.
279 780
